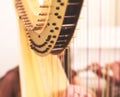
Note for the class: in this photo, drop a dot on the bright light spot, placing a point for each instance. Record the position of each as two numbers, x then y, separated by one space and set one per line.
41 2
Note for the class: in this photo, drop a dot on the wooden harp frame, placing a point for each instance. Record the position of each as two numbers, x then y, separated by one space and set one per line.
45 31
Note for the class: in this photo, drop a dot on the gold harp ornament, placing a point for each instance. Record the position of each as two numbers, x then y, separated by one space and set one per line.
45 31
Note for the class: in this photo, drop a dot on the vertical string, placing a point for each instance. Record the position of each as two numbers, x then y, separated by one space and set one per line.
87 38
115 48
110 50
117 43
114 55
100 50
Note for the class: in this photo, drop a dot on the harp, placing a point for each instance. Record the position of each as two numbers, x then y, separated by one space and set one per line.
46 28
58 20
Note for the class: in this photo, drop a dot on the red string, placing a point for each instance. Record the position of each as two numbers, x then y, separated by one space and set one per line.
100 49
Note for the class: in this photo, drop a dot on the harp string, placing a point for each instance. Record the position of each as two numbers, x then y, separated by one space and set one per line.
115 51
87 43
100 51
104 92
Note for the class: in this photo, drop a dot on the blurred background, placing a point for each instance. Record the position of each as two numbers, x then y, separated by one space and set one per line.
8 36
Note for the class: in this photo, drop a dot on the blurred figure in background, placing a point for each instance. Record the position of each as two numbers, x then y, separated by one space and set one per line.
10 84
